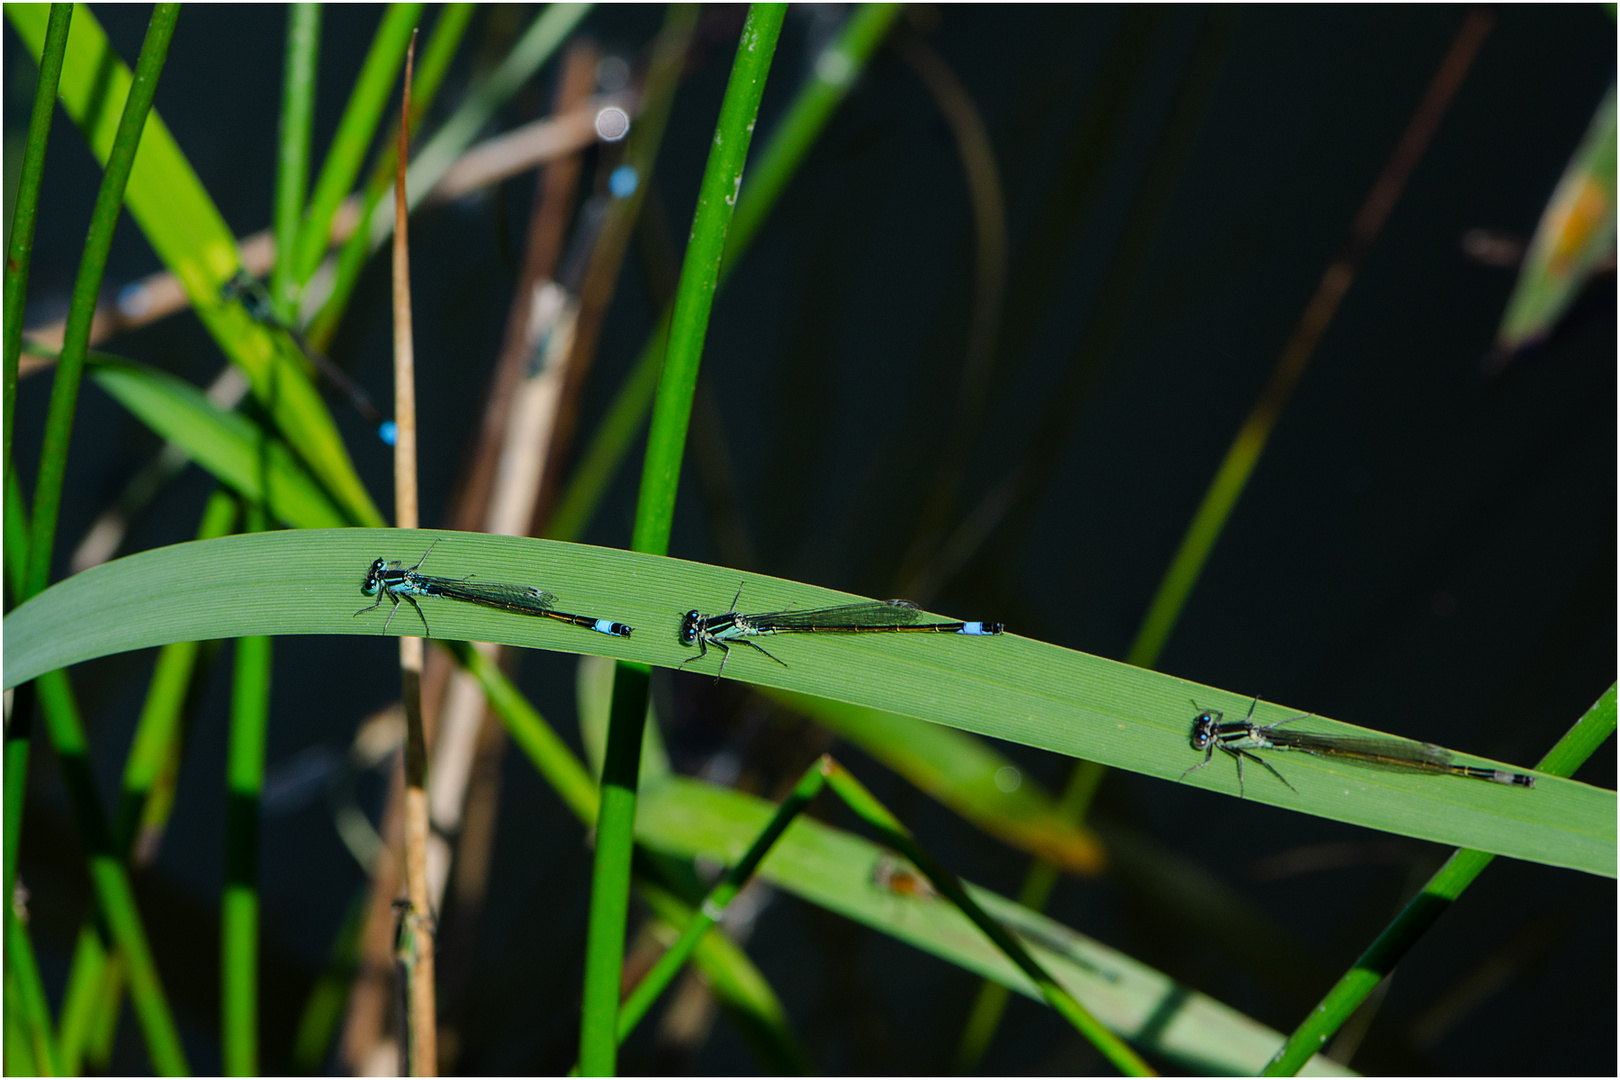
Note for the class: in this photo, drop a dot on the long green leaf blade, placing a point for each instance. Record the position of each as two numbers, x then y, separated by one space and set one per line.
1008 687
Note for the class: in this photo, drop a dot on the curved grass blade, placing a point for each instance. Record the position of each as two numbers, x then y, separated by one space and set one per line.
1008 687
835 870
237 451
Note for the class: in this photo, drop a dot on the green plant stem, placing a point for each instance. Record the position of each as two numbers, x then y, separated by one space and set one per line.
292 154
1594 728
666 442
544 35
36 1010
108 875
239 913
151 755
871 811
355 130
835 71
714 905
92 266
20 247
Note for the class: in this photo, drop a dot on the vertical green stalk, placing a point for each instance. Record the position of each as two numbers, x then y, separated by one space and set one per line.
1591 731
63 726
91 980
835 71
21 246
92 266
666 442
239 912
292 152
714 905
36 1010
354 133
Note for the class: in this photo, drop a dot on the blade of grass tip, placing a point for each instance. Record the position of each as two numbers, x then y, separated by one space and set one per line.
416 931
79 998
355 131
834 72
239 905
292 151
92 266
441 47
1595 727
666 439
875 814
36 1010
713 908
24 213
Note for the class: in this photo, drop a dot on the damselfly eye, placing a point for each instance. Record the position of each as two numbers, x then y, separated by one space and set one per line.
689 627
1203 731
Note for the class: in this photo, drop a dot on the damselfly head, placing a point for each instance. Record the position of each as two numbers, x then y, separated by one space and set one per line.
689 627
373 581
1203 729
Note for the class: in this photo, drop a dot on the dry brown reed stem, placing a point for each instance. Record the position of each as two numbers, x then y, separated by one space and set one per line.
416 933
498 496
557 137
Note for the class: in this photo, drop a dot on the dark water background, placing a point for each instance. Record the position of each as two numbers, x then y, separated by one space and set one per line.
1421 550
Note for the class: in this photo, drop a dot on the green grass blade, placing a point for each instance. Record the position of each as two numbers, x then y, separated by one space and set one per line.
1008 687
835 71
835 870
239 910
237 451
537 45
655 509
878 817
36 1010
292 153
963 773
324 1009
439 50
1590 732
20 246
1575 234
79 999
108 876
355 132
188 233
733 978
700 271
86 287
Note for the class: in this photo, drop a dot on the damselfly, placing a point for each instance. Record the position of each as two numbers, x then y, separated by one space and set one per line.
870 617
391 581
1239 738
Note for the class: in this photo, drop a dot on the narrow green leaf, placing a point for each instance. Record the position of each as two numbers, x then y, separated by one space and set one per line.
1007 687
355 132
292 152
963 773
834 72
188 233
237 451
1575 234
655 509
836 870
20 246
